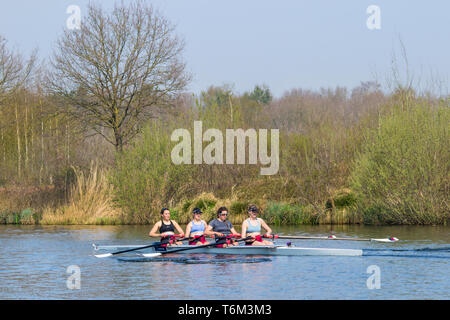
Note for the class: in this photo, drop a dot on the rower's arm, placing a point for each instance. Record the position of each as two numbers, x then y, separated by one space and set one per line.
233 230
188 230
244 229
177 226
265 226
208 231
153 232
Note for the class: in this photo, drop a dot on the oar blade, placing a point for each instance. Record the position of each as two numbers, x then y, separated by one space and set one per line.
392 239
104 255
151 255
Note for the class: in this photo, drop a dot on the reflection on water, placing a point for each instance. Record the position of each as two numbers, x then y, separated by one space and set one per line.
34 260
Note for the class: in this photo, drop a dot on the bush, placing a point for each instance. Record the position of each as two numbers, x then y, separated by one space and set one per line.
344 199
6 217
209 204
239 207
205 204
27 217
402 176
280 213
145 178
186 205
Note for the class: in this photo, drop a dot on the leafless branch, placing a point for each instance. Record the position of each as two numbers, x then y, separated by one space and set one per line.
117 68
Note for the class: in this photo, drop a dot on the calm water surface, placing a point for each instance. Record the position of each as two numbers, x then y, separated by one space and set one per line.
34 262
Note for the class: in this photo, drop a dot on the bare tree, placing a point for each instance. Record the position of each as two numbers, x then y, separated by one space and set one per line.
115 71
14 69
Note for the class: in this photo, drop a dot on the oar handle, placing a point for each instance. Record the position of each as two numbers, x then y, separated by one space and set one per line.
270 236
173 236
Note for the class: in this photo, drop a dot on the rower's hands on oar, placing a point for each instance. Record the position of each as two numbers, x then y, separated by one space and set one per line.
172 236
174 250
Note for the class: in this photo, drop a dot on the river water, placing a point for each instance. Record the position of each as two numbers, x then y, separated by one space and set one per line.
46 262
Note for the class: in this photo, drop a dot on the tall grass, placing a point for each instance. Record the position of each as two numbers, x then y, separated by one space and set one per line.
281 213
209 204
273 212
90 202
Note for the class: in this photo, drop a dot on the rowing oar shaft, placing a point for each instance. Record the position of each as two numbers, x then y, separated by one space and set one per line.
391 239
151 255
106 255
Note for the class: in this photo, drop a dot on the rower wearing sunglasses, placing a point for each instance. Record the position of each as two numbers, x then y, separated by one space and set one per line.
222 228
196 228
252 227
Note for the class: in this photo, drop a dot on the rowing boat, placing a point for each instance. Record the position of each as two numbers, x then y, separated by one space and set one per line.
273 250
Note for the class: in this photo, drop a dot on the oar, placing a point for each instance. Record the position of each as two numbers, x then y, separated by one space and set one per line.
152 255
106 255
332 237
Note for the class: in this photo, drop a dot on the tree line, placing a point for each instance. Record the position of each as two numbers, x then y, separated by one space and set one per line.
114 90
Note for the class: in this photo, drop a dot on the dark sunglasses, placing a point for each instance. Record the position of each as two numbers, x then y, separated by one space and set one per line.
223 214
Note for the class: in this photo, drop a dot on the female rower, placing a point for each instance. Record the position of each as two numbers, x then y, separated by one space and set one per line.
165 228
252 227
196 228
221 227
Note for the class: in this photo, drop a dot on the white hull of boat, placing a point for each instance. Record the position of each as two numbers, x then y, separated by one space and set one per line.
247 250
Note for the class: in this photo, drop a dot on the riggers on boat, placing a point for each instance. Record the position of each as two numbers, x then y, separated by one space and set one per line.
274 250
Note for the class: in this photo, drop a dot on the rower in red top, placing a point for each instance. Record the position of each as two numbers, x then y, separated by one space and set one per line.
196 228
252 227
165 228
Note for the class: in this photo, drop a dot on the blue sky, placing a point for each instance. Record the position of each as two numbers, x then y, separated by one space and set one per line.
284 44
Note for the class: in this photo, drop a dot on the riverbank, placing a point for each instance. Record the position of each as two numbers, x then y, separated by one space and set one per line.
387 168
97 207
388 165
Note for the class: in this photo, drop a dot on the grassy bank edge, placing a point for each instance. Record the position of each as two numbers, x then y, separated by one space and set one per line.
273 212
